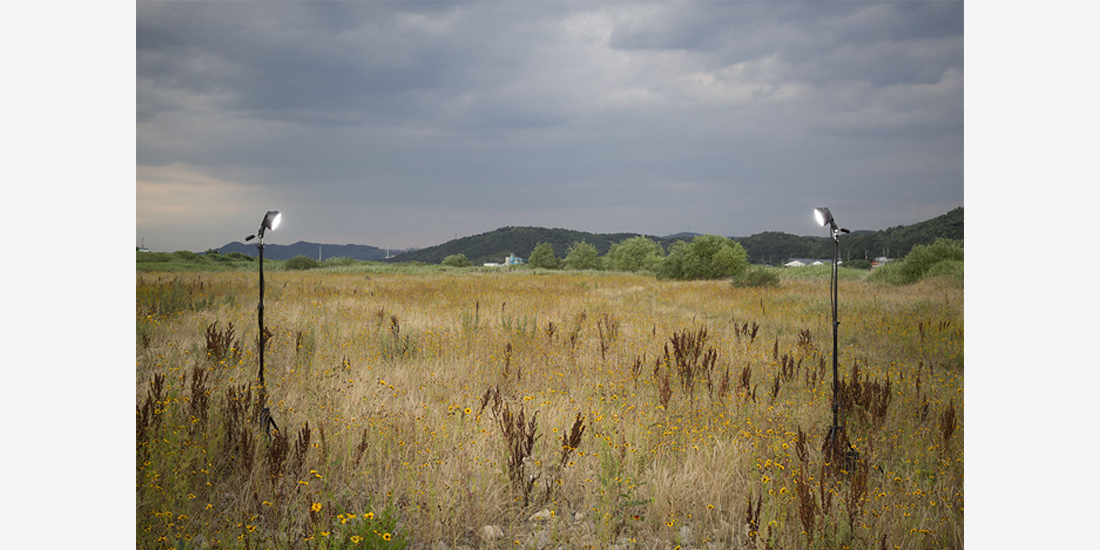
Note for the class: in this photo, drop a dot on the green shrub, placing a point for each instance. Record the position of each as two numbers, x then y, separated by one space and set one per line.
949 269
240 256
923 257
153 257
861 263
187 255
756 277
301 262
339 261
923 262
456 260
890 273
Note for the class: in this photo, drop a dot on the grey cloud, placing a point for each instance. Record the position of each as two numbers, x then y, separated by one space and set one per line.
469 109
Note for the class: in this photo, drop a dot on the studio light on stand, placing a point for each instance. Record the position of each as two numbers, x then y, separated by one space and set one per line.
836 447
271 221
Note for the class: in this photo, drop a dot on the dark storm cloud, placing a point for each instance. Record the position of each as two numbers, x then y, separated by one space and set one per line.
461 117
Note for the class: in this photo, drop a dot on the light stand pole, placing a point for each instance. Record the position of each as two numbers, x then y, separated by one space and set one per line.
271 221
836 443
260 311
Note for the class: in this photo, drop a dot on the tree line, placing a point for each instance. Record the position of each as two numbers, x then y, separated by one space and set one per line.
768 248
705 257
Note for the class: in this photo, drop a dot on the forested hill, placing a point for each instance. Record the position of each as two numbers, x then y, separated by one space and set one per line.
895 242
772 247
496 245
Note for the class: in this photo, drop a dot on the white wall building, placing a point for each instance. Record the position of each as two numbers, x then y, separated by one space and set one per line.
803 262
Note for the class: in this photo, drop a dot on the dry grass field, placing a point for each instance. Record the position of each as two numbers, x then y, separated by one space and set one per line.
462 408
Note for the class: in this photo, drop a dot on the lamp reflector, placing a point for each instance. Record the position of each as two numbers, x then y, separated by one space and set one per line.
272 219
823 216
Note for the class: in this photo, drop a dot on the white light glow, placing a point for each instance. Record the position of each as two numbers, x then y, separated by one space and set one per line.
271 219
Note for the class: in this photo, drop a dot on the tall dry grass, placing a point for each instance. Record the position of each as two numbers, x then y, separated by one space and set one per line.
378 385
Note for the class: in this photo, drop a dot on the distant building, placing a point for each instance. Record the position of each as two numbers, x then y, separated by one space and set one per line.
512 259
803 262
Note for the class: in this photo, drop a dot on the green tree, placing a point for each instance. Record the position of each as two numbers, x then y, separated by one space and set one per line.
456 260
635 254
582 256
672 267
543 256
707 257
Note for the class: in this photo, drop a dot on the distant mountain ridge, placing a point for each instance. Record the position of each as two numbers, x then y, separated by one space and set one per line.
310 250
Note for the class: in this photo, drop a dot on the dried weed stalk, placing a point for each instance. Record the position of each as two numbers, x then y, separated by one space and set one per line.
608 330
743 330
508 362
246 446
807 506
575 331
199 400
570 442
775 388
947 424
744 384
491 397
752 516
868 398
692 359
636 368
301 446
664 383
149 415
276 455
520 436
724 385
550 330
220 345
364 442
857 489
805 340
800 446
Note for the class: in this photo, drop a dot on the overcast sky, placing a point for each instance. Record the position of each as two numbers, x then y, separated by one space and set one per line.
407 124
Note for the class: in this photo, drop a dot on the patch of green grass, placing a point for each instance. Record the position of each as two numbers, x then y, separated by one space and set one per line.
819 272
